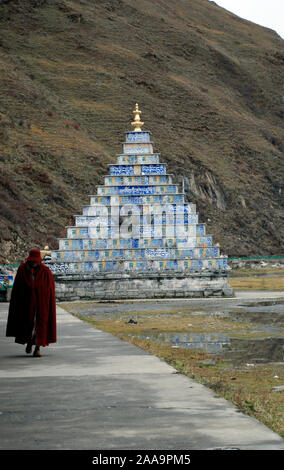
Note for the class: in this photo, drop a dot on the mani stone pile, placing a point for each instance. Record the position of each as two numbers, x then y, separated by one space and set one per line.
138 238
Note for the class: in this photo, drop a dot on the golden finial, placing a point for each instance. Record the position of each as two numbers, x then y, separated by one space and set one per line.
137 123
45 251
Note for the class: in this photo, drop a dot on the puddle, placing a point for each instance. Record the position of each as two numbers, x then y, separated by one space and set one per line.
211 343
263 303
235 350
256 315
255 351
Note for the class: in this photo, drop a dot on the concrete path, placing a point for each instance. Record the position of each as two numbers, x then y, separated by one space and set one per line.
93 391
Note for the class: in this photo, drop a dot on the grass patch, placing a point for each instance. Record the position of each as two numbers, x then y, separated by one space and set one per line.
164 323
257 283
241 272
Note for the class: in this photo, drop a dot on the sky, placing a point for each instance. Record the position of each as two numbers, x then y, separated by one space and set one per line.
269 13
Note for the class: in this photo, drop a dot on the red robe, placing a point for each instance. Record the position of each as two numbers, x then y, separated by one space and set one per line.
32 310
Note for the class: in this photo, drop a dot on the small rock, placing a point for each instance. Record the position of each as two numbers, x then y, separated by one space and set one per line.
280 388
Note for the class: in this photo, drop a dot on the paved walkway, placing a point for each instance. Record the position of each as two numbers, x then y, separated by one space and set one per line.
93 391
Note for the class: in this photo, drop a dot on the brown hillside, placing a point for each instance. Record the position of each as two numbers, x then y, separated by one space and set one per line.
210 86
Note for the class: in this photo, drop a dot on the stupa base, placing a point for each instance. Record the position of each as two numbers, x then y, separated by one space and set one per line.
117 286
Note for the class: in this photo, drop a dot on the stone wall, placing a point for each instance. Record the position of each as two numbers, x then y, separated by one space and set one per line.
114 286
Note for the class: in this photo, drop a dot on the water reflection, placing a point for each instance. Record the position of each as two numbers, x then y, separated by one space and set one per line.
236 350
209 342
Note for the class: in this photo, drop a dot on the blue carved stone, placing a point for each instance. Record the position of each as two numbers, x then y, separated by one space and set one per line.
137 137
136 190
122 170
137 149
135 243
200 229
153 169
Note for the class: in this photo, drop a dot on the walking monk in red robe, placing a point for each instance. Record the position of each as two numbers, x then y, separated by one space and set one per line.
32 310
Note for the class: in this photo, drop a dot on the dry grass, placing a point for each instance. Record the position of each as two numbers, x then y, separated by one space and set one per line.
258 283
169 323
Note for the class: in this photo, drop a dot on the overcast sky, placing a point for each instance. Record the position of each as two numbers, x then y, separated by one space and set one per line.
269 13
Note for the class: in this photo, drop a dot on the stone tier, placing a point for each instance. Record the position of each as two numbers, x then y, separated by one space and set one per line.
141 199
138 169
124 159
137 190
143 209
92 232
138 180
135 254
170 231
182 265
137 149
141 219
118 243
137 137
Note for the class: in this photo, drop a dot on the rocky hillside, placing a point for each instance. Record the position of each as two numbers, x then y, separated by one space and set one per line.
210 86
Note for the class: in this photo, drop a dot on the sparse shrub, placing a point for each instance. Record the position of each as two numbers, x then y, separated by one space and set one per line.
50 114
72 124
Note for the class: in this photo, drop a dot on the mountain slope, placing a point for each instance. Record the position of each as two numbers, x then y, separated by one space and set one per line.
210 86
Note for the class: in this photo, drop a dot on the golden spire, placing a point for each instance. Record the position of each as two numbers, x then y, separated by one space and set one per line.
137 123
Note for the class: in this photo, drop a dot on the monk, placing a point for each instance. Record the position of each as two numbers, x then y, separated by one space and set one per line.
32 309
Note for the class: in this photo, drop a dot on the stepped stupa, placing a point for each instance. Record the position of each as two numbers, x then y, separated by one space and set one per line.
138 238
